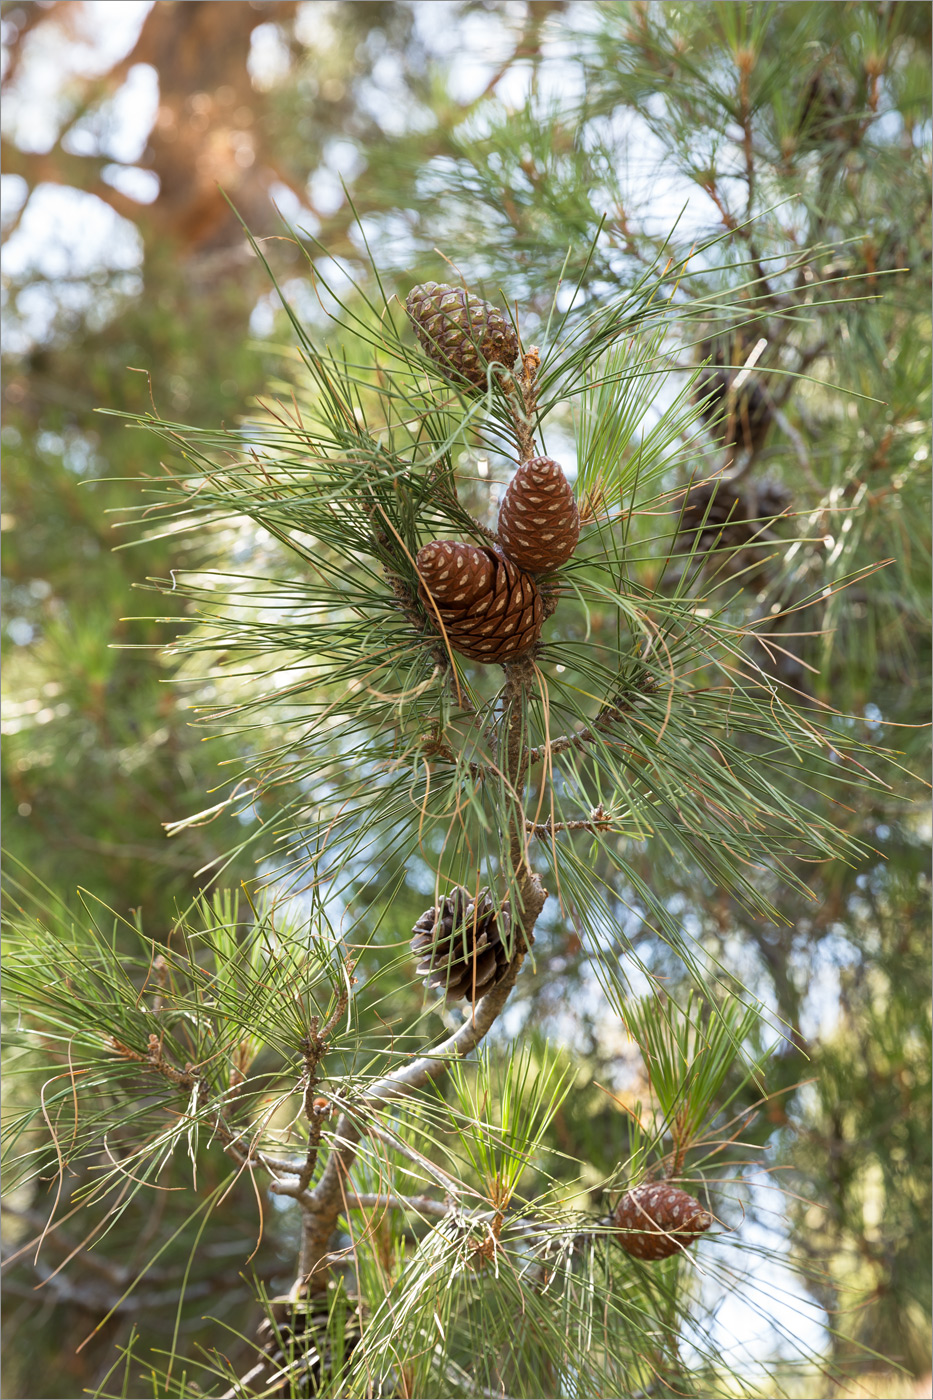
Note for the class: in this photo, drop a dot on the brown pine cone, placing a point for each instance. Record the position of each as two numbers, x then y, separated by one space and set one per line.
538 520
490 609
461 332
730 524
724 516
656 1220
460 945
828 112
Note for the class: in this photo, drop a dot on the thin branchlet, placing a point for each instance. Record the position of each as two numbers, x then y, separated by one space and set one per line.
614 710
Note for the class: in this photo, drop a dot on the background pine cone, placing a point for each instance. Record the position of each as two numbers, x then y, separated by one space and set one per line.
298 1355
460 945
743 414
732 524
720 515
656 1220
461 332
490 609
538 520
828 111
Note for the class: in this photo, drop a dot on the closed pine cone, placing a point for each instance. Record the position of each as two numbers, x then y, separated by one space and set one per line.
731 524
656 1220
490 609
721 515
460 945
461 332
538 520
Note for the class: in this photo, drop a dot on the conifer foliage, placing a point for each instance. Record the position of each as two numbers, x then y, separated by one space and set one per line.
388 725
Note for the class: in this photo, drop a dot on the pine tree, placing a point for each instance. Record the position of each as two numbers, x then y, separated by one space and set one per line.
639 716
667 758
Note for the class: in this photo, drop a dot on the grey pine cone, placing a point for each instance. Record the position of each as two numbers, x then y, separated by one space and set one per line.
739 413
298 1355
460 945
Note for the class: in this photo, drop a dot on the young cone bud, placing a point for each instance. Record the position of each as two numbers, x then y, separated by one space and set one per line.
491 611
461 332
538 521
460 945
656 1220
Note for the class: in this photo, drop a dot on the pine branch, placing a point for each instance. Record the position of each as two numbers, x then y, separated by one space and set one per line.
622 704
189 1081
598 820
314 1047
376 1201
322 1206
524 413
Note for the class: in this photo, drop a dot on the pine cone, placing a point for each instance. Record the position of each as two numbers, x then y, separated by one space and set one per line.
491 611
460 331
826 111
298 1356
538 520
732 524
656 1220
720 515
743 415
460 945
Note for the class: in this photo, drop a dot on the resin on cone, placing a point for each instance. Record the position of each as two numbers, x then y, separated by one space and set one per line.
538 520
490 609
460 945
656 1220
461 332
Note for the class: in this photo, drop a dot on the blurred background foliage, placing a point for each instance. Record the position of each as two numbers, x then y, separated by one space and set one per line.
497 136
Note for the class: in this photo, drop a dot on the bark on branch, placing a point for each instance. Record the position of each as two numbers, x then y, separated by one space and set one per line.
322 1206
